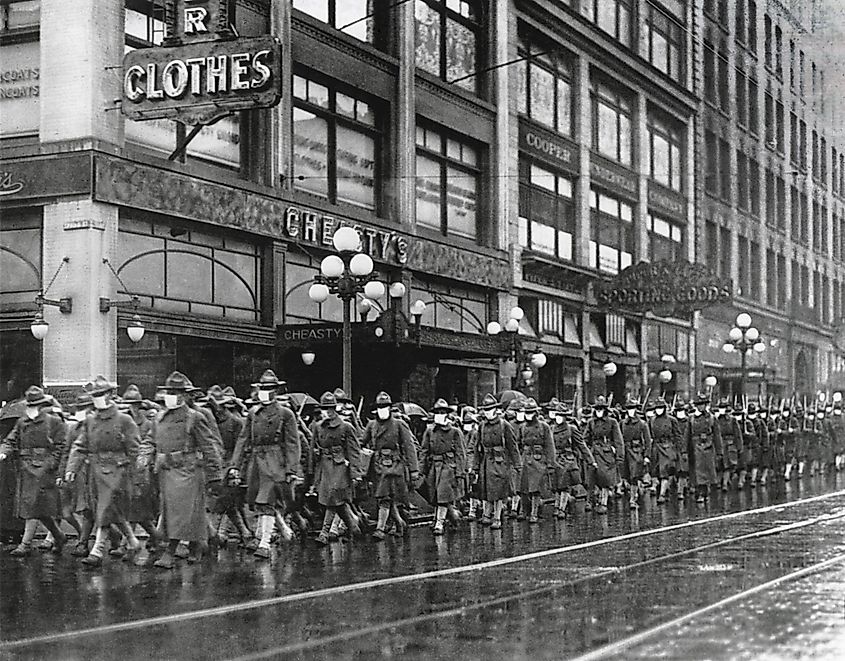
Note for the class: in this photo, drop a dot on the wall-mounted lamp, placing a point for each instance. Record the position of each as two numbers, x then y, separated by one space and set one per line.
308 358
135 329
39 326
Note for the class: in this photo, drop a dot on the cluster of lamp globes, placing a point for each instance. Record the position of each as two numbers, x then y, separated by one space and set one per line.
39 327
744 336
537 359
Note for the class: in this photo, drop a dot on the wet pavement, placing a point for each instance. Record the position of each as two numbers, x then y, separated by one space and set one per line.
557 590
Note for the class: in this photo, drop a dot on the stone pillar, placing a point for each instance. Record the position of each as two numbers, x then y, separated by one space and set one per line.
81 344
406 121
584 131
642 167
82 47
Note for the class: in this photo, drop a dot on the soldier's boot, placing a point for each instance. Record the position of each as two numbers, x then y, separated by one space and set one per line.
787 470
754 472
801 468
453 515
95 556
323 536
267 522
351 521
285 531
634 496
498 507
248 539
168 558
516 501
381 526
683 486
764 475
726 480
535 509
601 507
559 505
563 503
133 546
439 519
46 544
59 538
473 507
336 529
741 482
664 490
487 513
400 523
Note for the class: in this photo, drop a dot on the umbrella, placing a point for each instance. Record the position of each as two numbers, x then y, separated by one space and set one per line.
14 409
506 396
302 399
412 410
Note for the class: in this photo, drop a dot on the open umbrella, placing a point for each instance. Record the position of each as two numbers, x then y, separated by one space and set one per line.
302 399
412 410
13 409
506 396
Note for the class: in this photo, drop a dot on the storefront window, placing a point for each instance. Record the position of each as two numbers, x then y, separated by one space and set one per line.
175 269
452 308
666 149
447 33
20 363
546 211
20 258
612 133
354 17
545 89
611 233
666 239
336 140
447 183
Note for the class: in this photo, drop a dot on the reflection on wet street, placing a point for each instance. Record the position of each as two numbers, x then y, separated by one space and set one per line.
557 590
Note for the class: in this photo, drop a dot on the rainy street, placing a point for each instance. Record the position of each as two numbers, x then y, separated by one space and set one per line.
756 574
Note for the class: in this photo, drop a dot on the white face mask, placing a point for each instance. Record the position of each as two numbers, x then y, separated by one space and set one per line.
722 412
171 401
659 411
264 396
439 418
339 408
32 412
520 416
682 415
100 402
599 413
631 412
752 416
490 414
383 413
79 416
468 426
559 419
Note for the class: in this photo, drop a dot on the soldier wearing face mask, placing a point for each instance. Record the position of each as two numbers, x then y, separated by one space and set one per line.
682 415
757 442
269 442
538 459
394 465
515 416
75 496
636 436
109 440
732 444
604 438
816 443
666 438
705 447
37 441
186 460
496 454
443 461
469 427
570 452
835 425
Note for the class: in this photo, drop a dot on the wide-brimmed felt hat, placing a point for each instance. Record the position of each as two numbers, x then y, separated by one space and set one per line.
489 402
600 403
530 405
83 400
100 386
268 380
132 394
177 381
216 393
441 406
341 396
383 400
328 400
35 396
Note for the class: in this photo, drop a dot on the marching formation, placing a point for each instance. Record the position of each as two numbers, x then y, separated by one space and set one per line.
197 468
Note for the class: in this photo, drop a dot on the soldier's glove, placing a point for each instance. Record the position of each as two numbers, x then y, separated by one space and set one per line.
59 482
646 461
2 456
70 476
233 477
416 479
294 480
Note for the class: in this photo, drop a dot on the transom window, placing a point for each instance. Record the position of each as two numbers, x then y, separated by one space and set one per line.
447 40
336 142
546 211
447 183
611 233
665 238
545 88
612 133
666 149
353 17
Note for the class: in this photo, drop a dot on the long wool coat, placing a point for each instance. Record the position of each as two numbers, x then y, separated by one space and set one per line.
636 436
496 455
338 461
443 457
38 445
705 446
109 440
394 457
538 457
666 439
604 439
570 453
185 458
76 496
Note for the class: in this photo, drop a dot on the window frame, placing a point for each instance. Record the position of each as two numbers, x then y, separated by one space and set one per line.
673 34
678 247
477 27
561 68
614 99
661 125
569 222
624 235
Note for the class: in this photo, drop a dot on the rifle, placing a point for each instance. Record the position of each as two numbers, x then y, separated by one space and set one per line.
645 399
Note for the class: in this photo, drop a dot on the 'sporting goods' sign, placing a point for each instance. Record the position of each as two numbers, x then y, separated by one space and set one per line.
202 73
667 288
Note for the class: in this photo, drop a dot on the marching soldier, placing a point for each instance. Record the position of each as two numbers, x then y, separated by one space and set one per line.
394 464
75 495
636 438
109 441
37 441
732 445
570 452
186 460
269 445
705 447
443 461
604 438
836 431
469 427
682 416
515 417
538 459
496 455
788 433
766 429
338 468
666 439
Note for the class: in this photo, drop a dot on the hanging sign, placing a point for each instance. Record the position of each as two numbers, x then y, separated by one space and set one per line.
202 72
667 288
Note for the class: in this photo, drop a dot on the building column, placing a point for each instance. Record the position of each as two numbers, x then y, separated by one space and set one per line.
641 208
584 131
405 113
81 344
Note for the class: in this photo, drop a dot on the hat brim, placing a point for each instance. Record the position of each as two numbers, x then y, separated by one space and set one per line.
179 388
268 384
44 400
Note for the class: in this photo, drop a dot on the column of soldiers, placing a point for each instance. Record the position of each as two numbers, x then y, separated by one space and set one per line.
194 469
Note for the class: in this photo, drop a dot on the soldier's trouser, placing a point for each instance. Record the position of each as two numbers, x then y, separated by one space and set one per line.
383 515
682 487
515 501
664 489
535 506
487 510
634 494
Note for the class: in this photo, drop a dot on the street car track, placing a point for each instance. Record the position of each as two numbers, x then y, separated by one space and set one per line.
527 594
397 580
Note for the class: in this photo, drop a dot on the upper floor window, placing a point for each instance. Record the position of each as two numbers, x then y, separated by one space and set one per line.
778 52
336 144
20 14
612 16
612 132
545 89
447 40
665 238
665 36
447 183
767 40
611 234
752 26
546 211
354 17
144 23
666 149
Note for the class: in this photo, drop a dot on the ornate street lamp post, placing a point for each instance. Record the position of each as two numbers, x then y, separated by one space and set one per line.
743 337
